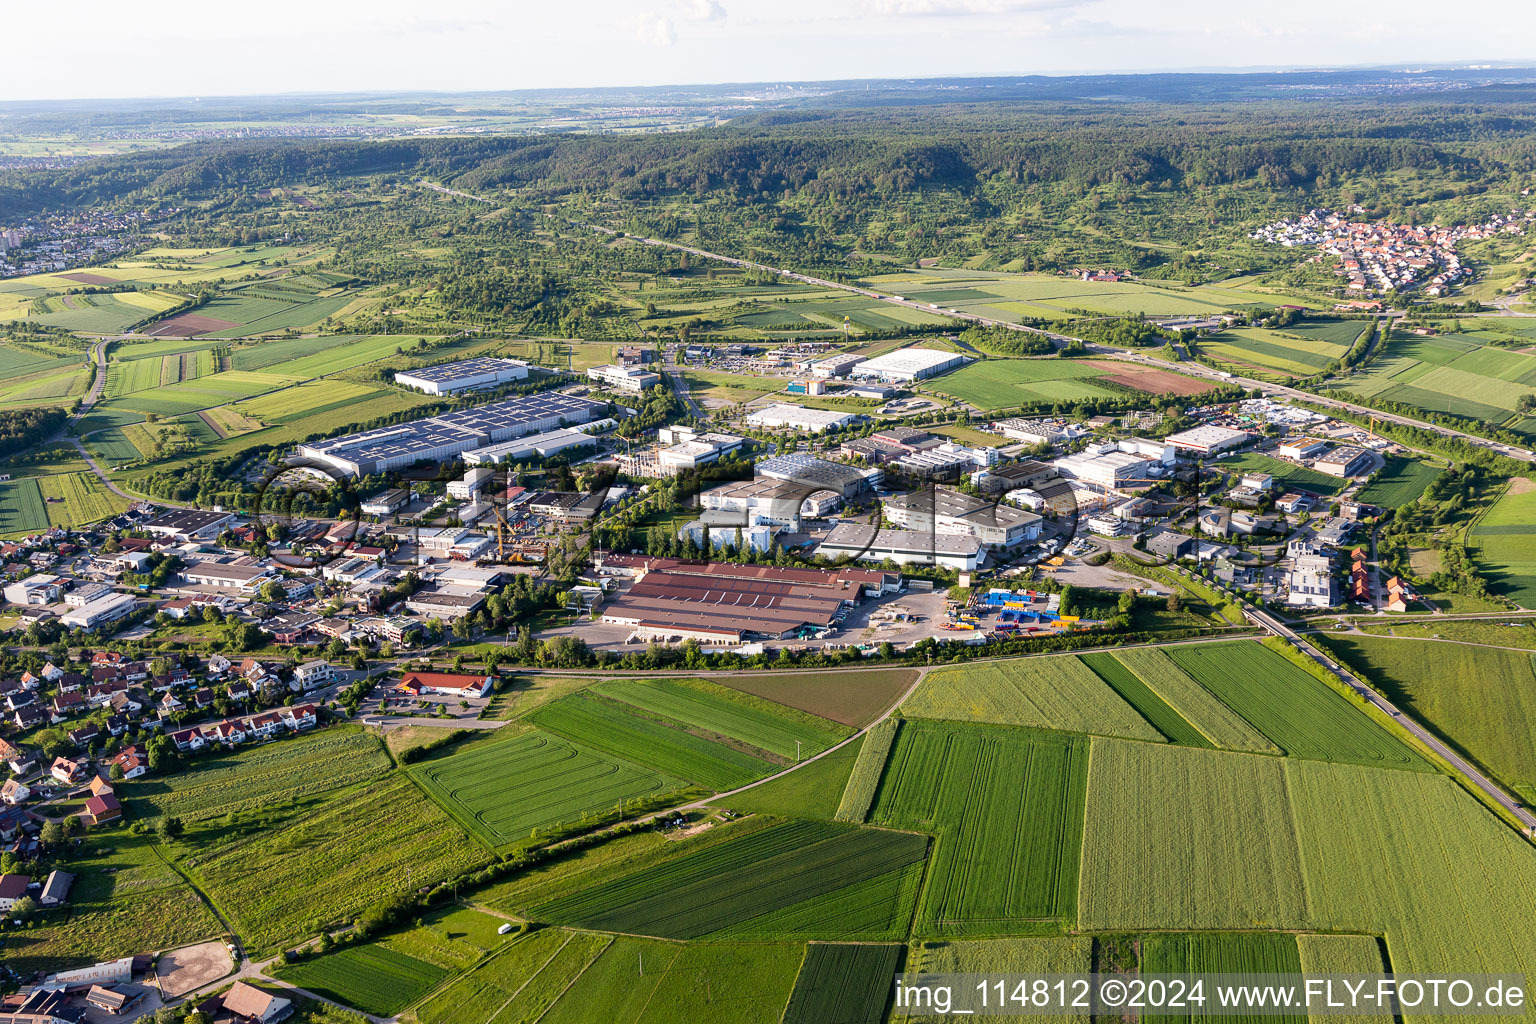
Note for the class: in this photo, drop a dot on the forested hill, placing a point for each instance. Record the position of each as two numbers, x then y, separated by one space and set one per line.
843 152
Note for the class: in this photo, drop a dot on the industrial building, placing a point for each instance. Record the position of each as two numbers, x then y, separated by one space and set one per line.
835 366
942 511
623 378
546 445
451 434
1299 448
819 474
43 588
246 579
464 375
1014 476
947 460
770 500
910 364
812 421
693 449
471 483
99 612
808 386
1343 462
1108 467
1037 431
188 523
733 603
1209 439
904 547
386 502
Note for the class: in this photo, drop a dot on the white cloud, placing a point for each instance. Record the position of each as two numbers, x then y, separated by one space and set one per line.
702 10
656 29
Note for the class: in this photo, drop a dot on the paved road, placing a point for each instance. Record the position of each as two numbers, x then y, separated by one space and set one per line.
1461 767
1188 369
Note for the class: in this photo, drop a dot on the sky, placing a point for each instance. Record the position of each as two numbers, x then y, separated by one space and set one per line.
109 48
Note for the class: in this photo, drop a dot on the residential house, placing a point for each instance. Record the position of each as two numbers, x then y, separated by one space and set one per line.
170 705
251 670
14 792
245 1004
85 735
133 761
30 716
56 888
312 675
67 771
102 809
12 888
445 683
117 724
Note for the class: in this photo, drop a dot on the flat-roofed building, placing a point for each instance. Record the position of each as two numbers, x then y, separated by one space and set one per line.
623 378
1111 470
450 603
386 502
662 603
836 366
451 434
43 588
813 421
100 612
779 502
943 511
819 474
471 483
910 364
245 579
904 547
1209 439
1302 448
188 523
543 445
464 375
1036 431
1343 461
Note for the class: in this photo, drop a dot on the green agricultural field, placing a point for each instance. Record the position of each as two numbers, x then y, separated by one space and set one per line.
1482 700
476 997
452 937
87 933
1287 474
373 979
260 778
1451 373
812 867
22 509
709 709
1141 697
1218 723
858 795
1410 856
1179 838
746 983
1282 353
843 983
21 360
1007 806
811 791
1504 541
203 392
75 499
606 725
1229 953
261 354
340 357
1400 482
279 883
1300 713
1054 692
618 985
1005 383
506 791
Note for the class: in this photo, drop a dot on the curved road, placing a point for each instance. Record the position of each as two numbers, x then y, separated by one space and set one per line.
1423 735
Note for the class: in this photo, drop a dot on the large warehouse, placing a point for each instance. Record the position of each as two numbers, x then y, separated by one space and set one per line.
910 364
819 474
1208 439
465 375
945 512
794 417
731 603
451 434
904 547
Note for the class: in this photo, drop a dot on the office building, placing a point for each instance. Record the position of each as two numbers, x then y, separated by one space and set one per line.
623 378
1343 461
941 511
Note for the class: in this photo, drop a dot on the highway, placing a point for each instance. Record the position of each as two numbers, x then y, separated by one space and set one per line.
1423 735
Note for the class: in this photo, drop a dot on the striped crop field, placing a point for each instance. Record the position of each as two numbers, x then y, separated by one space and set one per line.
707 708
808 865
478 995
22 509
1218 723
1299 712
1178 838
864 781
505 791
374 979
1007 806
1140 696
1047 693
1222 953
630 736
843 983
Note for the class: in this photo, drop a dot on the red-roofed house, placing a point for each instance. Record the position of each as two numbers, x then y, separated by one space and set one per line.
446 684
101 810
